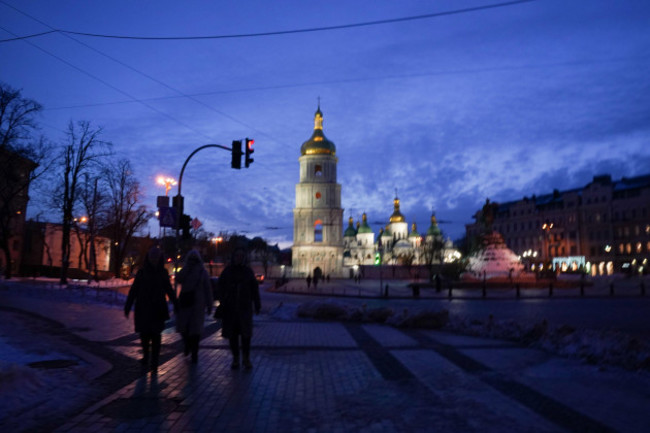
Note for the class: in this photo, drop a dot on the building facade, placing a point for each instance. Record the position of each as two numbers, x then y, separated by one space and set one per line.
318 216
601 228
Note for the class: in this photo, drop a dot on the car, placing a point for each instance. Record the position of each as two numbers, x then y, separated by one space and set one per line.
259 278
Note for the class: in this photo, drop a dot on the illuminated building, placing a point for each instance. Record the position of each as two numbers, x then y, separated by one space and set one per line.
602 228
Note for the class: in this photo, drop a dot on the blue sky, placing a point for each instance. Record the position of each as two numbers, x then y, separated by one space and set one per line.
500 103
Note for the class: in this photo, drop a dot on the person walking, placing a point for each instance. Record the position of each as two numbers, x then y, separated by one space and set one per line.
239 293
194 301
148 292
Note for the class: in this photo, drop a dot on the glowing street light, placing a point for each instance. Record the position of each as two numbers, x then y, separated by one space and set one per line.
167 182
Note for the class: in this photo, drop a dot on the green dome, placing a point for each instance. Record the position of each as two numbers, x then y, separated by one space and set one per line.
364 228
414 232
318 144
434 230
350 231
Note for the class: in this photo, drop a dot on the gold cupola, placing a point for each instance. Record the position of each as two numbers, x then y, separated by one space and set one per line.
318 144
397 216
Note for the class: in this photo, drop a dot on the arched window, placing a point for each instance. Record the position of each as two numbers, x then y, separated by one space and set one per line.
318 231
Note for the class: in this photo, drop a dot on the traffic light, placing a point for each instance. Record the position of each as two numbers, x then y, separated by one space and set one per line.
236 155
177 203
249 150
185 226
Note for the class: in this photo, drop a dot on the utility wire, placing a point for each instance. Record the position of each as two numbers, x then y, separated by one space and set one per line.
279 32
178 92
128 95
368 79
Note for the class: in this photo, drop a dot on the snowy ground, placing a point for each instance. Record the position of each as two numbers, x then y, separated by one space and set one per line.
42 378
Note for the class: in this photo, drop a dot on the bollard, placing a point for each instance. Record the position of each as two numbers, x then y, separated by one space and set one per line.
550 290
611 289
518 290
642 289
449 294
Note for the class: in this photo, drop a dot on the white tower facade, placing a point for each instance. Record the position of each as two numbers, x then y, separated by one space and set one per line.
317 217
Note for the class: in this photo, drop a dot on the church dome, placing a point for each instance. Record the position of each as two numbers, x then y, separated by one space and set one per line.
318 144
364 228
397 216
433 230
350 231
414 231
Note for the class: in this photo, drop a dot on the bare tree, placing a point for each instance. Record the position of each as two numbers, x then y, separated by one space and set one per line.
124 215
83 153
432 251
22 159
94 201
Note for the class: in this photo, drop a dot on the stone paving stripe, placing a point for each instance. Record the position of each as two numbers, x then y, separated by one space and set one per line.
385 363
547 407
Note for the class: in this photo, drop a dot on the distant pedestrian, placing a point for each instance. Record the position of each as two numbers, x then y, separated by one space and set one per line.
308 281
239 295
316 278
148 292
438 283
327 278
194 301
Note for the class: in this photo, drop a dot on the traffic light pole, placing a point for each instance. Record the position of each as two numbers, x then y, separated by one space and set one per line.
180 210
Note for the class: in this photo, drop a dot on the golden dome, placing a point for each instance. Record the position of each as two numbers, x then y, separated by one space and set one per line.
397 216
318 143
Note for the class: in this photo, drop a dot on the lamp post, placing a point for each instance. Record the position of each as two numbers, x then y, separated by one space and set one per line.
546 227
167 182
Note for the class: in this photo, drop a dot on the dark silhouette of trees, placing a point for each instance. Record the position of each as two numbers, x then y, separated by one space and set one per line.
22 160
125 216
83 153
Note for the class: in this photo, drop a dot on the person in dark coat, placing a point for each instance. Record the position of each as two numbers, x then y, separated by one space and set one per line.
194 301
148 292
239 293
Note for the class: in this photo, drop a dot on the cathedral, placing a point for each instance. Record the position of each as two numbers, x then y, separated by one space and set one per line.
321 247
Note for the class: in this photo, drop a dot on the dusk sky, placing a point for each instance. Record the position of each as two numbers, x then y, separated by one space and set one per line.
500 103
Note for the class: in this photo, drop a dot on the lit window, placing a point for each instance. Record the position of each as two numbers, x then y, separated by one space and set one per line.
318 196
318 170
318 231
639 247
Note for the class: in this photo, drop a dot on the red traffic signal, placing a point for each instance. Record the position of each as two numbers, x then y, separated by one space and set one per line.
249 150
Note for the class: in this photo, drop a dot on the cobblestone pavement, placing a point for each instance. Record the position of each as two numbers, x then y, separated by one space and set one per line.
350 377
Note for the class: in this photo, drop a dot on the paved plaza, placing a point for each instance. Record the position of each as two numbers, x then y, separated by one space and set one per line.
312 376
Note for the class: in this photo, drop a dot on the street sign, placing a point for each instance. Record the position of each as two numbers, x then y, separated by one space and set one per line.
196 223
167 216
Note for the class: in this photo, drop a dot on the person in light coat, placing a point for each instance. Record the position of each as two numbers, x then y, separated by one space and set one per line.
148 292
194 301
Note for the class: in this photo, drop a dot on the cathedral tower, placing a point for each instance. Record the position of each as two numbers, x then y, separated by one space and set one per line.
317 217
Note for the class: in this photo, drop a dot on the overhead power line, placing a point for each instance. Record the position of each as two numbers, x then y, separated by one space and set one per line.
277 32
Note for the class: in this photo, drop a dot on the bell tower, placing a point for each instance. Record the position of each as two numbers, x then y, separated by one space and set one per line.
317 217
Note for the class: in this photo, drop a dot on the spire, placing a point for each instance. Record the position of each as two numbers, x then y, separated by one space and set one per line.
318 117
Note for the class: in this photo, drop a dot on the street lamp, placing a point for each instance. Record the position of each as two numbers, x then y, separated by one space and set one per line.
167 182
546 227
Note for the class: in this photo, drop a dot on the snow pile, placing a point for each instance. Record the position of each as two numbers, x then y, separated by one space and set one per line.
595 347
336 310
